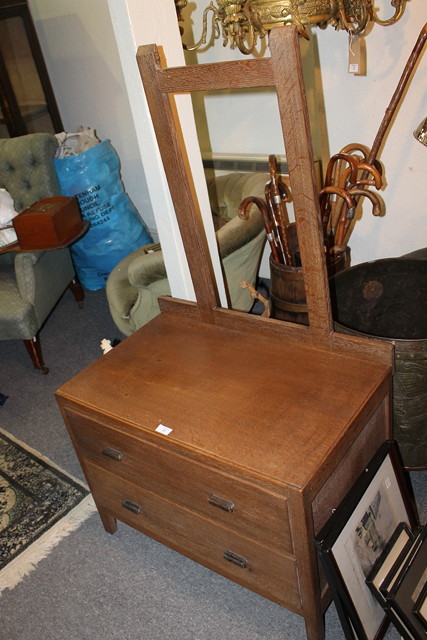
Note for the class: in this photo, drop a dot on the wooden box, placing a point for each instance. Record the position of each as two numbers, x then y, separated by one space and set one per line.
48 223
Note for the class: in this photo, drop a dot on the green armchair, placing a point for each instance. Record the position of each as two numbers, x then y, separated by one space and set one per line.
31 283
135 284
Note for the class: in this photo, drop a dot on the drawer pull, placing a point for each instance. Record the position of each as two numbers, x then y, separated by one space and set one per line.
235 559
131 506
112 453
225 505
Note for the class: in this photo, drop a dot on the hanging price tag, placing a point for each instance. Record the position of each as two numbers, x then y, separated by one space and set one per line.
356 55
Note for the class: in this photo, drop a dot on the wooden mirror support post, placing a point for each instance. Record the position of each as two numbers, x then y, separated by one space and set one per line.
226 436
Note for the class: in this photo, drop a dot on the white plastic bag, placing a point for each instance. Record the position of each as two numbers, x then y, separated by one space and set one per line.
7 213
71 144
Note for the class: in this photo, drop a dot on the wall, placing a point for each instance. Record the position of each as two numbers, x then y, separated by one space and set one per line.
81 54
85 57
354 109
90 48
350 109
245 121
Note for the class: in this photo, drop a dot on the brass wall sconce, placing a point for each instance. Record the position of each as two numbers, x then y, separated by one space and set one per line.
420 132
242 22
179 5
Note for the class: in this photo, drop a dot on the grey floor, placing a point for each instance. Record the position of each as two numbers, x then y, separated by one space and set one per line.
126 586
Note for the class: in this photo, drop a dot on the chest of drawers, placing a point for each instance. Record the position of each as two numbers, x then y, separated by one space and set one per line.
265 439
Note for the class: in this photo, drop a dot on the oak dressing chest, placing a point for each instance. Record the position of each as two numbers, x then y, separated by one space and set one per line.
226 436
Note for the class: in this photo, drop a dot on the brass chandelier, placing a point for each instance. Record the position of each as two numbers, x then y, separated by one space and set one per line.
241 23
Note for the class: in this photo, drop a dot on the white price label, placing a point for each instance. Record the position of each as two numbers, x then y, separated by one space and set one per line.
162 429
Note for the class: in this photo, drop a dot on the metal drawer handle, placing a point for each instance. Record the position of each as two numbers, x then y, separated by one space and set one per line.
235 559
112 453
225 505
132 506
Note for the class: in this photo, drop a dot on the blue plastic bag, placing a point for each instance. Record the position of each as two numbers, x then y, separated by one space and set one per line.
116 229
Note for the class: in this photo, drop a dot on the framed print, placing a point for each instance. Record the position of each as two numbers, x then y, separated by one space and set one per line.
389 582
420 608
390 560
408 588
358 533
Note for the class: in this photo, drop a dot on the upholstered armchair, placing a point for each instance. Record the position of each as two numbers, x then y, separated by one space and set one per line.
31 283
135 284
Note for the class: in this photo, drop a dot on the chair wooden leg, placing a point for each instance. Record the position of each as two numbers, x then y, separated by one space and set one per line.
35 352
77 291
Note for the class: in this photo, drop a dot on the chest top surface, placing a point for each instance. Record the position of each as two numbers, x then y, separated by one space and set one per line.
276 408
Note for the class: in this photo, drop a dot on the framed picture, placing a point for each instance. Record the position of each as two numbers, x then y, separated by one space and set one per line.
408 587
388 570
391 579
390 561
358 533
420 608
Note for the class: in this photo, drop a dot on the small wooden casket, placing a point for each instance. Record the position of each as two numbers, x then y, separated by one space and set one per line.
48 223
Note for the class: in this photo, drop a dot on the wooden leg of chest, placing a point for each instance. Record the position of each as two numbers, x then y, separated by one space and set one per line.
308 577
109 522
315 628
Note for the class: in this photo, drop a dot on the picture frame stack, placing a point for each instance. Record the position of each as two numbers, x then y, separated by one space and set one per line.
402 588
373 552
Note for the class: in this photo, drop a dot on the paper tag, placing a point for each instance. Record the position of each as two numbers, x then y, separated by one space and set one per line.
162 429
356 55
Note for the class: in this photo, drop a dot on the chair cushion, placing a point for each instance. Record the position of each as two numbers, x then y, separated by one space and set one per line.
24 172
227 192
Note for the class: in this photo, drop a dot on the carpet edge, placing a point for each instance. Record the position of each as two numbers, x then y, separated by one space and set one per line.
26 562
39 455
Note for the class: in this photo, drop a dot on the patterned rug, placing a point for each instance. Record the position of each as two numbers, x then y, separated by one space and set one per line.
40 504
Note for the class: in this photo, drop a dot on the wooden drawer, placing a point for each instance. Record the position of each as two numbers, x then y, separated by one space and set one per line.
228 501
259 568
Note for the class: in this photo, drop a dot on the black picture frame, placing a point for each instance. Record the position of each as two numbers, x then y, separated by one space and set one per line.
358 532
407 588
382 581
390 561
392 578
420 607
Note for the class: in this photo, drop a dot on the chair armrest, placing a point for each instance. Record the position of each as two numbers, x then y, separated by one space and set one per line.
146 268
227 192
25 275
237 232
42 278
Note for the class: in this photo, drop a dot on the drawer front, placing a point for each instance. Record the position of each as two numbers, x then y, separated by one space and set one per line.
245 508
253 566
